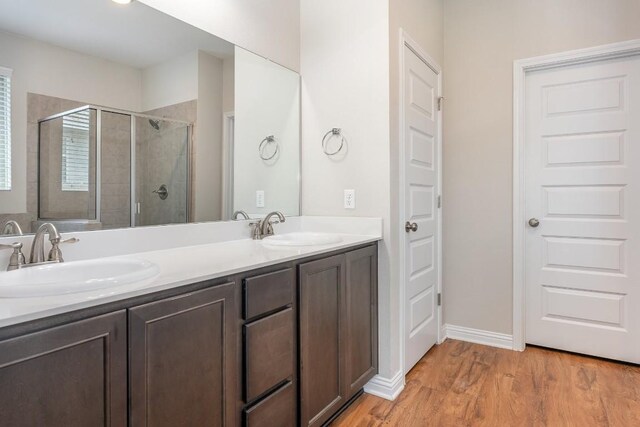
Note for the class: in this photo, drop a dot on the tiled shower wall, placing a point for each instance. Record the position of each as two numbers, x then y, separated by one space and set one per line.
162 158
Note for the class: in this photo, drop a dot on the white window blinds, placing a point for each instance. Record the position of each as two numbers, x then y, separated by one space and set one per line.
75 151
5 129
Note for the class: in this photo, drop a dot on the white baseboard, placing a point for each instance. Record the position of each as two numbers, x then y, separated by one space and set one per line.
443 334
478 336
384 387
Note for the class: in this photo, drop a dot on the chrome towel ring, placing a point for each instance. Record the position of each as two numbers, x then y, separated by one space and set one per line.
264 143
327 137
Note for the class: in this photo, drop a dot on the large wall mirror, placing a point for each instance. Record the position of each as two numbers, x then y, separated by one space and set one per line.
118 116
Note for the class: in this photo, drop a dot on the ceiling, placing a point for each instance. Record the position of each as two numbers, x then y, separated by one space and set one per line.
134 34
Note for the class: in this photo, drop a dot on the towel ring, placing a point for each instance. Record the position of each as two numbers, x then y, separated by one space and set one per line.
327 136
268 140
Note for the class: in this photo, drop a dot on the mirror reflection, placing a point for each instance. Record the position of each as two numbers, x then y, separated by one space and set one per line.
118 116
267 148
143 177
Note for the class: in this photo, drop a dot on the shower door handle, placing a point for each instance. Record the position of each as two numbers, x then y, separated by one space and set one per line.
162 192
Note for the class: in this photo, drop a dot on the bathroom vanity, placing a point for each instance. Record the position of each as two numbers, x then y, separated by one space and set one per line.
282 345
140 148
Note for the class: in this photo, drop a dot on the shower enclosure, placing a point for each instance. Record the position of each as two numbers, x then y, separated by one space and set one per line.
108 168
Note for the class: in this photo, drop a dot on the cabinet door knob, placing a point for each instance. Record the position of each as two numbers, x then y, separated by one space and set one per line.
533 222
410 227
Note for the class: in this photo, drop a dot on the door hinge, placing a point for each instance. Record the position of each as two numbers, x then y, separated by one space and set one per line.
439 201
439 299
440 100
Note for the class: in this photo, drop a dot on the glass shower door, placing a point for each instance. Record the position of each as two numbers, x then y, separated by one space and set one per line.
115 170
161 184
67 166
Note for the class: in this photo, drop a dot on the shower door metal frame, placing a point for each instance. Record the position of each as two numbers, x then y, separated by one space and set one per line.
98 177
132 170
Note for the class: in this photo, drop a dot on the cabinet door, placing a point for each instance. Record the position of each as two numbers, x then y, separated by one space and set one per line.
182 360
362 318
71 375
322 338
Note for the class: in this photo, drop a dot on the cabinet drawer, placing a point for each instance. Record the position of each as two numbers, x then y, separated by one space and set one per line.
278 409
269 353
268 292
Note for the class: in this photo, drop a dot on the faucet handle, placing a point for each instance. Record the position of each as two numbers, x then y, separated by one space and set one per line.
55 254
71 240
14 246
255 229
17 259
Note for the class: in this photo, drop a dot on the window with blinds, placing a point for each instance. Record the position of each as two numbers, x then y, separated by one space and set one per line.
75 151
5 129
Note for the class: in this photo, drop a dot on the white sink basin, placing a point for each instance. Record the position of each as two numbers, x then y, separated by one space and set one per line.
302 239
73 277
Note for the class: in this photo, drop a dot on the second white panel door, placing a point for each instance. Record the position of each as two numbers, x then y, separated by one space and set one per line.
582 251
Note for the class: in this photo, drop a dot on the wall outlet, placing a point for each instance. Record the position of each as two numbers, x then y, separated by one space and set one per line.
260 199
349 199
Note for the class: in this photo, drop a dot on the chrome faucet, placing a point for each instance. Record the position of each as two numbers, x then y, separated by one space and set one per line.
264 228
236 214
11 227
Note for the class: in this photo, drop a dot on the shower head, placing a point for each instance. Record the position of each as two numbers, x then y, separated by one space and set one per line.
155 124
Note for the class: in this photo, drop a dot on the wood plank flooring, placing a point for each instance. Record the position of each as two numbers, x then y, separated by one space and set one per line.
463 384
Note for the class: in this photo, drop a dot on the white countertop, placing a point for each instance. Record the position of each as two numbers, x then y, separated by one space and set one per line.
178 266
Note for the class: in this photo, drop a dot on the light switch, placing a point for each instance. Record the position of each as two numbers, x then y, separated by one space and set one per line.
260 199
349 199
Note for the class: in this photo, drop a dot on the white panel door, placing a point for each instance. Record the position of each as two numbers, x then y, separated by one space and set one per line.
582 261
420 193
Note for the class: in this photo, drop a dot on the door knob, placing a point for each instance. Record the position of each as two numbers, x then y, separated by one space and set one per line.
533 222
410 226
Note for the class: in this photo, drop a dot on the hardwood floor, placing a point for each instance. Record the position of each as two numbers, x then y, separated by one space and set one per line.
463 384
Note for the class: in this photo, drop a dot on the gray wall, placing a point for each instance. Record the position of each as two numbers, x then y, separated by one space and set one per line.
482 39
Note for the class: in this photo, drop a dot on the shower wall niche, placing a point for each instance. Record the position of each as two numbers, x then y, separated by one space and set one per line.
101 168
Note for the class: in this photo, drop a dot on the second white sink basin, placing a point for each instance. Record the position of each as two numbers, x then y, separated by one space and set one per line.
73 277
302 239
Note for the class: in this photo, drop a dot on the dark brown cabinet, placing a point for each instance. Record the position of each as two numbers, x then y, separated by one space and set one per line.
269 350
268 292
71 375
291 346
338 331
362 318
182 360
277 409
323 333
